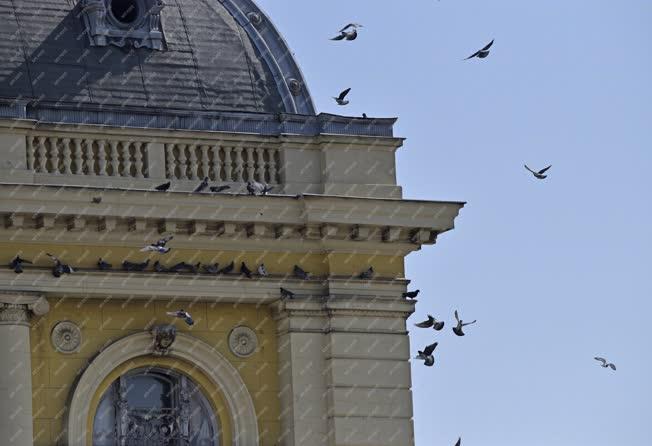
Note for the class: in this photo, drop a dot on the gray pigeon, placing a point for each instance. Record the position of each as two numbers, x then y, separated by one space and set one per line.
17 264
59 267
460 323
163 187
228 268
203 185
182 314
211 269
481 54
286 294
341 98
131 266
604 362
427 355
349 32
256 188
159 246
102 265
245 270
539 174
366 274
411 294
218 189
300 273
431 322
262 271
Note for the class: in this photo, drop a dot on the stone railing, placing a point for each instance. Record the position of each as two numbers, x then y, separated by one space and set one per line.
90 157
219 163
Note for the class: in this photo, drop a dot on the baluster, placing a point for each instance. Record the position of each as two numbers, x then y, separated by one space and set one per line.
260 165
138 155
250 164
170 162
90 157
183 162
53 154
126 159
146 147
239 168
217 163
67 160
205 169
79 168
115 159
30 152
273 171
193 161
41 155
227 164
101 154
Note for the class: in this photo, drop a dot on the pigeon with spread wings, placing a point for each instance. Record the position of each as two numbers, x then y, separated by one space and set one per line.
349 32
341 98
604 362
481 54
159 246
427 355
460 323
539 174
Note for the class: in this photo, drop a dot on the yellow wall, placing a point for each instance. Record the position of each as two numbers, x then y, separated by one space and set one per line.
104 321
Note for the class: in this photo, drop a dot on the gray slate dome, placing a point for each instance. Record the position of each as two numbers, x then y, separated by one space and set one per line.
217 55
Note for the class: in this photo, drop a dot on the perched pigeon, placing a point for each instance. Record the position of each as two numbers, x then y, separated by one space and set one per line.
366 274
411 294
131 266
349 32
182 314
426 354
203 185
286 294
17 264
341 98
102 265
256 188
604 362
262 271
96 200
481 54
211 269
218 189
227 269
244 270
301 274
431 322
540 174
159 268
59 268
183 266
460 323
163 187
159 246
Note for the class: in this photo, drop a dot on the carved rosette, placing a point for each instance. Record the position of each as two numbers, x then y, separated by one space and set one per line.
243 341
14 314
66 337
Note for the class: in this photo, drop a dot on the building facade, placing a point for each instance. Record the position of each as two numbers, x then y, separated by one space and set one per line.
103 100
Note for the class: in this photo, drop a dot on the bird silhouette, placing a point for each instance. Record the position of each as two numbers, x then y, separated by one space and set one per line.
244 270
131 266
411 294
460 323
102 265
203 185
341 98
431 322
481 54
604 362
349 32
256 188
366 274
96 200
427 354
286 294
300 273
163 187
458 442
17 264
59 267
182 314
211 269
539 174
159 246
218 189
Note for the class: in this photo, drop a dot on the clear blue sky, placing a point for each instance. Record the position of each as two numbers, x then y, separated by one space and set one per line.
557 271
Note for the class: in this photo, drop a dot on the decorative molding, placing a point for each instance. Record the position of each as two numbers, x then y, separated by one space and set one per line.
243 341
187 348
66 337
15 307
163 337
14 314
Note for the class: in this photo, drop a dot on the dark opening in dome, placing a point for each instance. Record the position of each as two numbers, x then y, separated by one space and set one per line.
125 11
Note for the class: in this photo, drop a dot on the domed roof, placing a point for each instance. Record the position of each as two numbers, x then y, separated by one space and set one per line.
212 55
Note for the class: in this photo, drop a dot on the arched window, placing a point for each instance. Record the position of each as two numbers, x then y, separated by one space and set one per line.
154 407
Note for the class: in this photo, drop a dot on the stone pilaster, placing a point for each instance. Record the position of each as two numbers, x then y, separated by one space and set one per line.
344 371
15 368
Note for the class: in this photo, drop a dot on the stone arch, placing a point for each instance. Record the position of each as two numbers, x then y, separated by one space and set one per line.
221 373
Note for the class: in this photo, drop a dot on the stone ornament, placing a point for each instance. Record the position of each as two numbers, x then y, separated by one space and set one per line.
13 314
243 341
163 338
295 86
66 337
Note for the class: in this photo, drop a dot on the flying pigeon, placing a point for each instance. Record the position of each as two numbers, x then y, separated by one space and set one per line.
59 268
431 322
366 274
159 246
96 200
411 294
102 265
244 270
203 185
262 271
182 314
426 354
163 187
211 269
286 293
300 273
17 264
349 32
218 189
227 269
460 323
340 99
256 188
604 362
540 174
481 54
131 266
